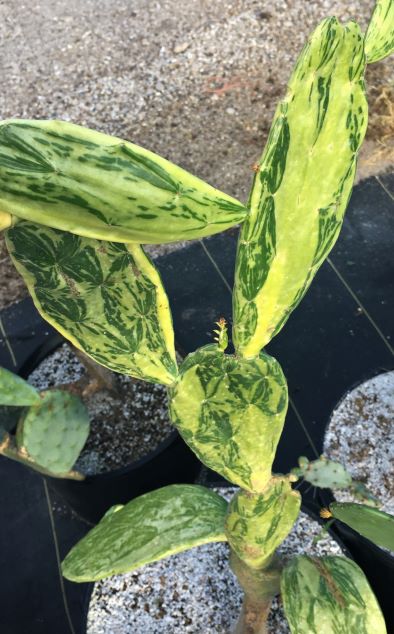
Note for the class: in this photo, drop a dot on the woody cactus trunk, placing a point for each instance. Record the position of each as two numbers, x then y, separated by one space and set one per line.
77 204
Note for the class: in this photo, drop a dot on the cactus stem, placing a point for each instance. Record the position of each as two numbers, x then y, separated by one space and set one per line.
99 376
260 587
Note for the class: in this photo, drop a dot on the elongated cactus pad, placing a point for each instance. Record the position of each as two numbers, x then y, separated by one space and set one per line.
106 298
379 40
369 522
329 595
16 391
231 413
53 432
72 178
151 527
302 185
323 473
257 524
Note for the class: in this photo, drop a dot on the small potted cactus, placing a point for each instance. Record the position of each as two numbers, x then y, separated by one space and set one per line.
50 432
76 206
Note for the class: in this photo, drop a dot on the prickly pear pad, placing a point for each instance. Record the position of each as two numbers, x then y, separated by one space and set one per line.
106 298
153 526
302 185
323 473
16 391
257 524
53 432
379 39
231 412
95 185
370 522
327 595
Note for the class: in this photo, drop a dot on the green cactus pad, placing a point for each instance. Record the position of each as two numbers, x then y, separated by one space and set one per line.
329 595
379 40
324 473
369 522
151 527
257 524
16 391
53 432
231 413
303 184
79 180
106 298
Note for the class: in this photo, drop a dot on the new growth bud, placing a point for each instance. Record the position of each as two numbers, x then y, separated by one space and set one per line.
221 335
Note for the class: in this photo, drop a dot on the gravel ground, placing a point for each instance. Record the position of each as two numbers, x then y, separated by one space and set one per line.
195 81
123 428
190 593
360 435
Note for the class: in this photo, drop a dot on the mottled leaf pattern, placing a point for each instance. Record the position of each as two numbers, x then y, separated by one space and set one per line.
106 298
379 40
329 595
151 527
257 524
53 432
16 391
72 178
369 522
304 181
231 413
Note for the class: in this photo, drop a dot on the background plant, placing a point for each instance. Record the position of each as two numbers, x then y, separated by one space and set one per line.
65 191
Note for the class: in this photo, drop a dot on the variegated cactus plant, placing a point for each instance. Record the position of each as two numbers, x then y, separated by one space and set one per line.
76 206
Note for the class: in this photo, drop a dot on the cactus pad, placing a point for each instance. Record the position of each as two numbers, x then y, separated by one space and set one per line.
329 595
257 524
153 526
372 523
379 40
106 298
231 413
302 185
53 432
323 473
16 391
69 177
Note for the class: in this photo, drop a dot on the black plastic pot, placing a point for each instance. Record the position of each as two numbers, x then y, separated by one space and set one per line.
377 563
170 463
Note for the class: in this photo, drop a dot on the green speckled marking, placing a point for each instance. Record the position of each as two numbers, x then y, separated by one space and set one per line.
379 40
72 178
329 595
151 527
106 298
302 188
16 391
231 413
257 524
54 431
